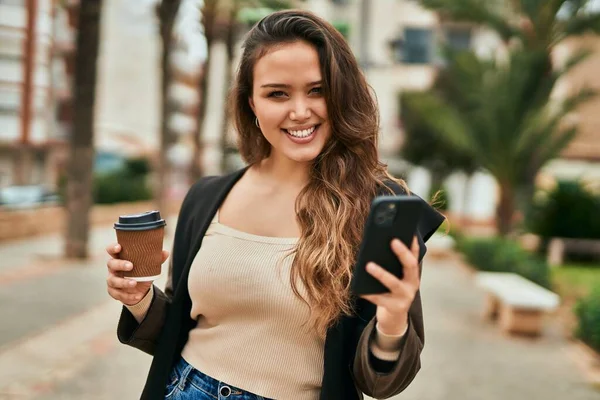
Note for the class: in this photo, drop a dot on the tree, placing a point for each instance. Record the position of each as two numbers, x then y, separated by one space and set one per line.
166 11
209 16
230 38
81 142
537 25
422 147
502 111
503 118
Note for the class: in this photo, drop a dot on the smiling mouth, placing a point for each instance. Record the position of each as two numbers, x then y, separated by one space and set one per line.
301 134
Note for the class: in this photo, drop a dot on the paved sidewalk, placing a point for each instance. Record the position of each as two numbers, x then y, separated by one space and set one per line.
69 350
58 316
467 358
38 288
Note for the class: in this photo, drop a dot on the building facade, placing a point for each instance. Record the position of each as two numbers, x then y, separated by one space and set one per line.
581 159
29 138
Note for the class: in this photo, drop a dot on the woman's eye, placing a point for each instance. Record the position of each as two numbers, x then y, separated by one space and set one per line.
277 93
317 90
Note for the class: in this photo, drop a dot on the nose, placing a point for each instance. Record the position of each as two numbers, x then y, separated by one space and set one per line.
300 110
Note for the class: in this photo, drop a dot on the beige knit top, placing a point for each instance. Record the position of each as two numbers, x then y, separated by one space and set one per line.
252 331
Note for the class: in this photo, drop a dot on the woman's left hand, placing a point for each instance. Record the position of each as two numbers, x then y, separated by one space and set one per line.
392 307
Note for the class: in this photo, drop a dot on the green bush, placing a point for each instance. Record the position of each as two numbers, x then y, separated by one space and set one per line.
127 184
504 255
117 187
137 166
569 210
588 315
479 251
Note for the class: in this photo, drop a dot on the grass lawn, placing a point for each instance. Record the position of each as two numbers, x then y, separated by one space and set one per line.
573 281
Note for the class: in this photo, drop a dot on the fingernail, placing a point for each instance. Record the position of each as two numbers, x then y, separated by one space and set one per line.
370 267
116 248
132 283
129 265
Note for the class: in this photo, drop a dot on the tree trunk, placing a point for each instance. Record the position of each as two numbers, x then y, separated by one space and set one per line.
230 36
505 210
167 11
196 169
215 14
208 20
81 143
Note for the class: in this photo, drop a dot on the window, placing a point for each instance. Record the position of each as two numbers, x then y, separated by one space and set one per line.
417 46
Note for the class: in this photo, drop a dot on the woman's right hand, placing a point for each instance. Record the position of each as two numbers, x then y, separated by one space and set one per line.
127 291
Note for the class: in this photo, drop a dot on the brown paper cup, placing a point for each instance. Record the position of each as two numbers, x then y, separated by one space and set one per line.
144 250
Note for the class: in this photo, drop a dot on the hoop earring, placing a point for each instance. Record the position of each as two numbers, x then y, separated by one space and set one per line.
256 122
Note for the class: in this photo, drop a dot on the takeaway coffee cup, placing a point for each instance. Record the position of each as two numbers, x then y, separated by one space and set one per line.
141 240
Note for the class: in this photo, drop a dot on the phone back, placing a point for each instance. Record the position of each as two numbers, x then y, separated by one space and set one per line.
390 217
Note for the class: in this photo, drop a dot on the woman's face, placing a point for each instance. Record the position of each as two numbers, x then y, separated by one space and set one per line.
288 101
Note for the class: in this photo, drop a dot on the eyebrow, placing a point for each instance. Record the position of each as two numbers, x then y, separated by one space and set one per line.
282 85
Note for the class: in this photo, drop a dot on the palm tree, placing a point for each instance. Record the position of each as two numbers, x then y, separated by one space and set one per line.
538 25
209 14
422 147
167 11
498 106
81 143
230 37
502 116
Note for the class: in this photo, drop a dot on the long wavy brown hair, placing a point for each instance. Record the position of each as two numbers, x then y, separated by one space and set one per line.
344 178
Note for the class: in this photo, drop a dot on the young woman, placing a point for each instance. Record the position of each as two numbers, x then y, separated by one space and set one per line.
258 302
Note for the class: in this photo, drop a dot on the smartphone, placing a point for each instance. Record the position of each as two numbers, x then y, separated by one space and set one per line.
390 217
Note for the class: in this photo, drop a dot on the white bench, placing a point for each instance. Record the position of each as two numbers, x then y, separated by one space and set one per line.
519 304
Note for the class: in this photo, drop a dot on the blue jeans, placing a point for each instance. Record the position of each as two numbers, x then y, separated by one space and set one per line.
187 383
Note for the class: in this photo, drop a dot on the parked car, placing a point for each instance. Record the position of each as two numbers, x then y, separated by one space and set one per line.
25 196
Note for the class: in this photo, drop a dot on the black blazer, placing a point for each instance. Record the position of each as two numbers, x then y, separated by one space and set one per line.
349 367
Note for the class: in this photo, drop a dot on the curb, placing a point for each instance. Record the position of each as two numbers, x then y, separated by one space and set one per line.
587 360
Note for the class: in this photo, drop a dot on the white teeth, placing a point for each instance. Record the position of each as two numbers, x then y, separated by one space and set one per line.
302 134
